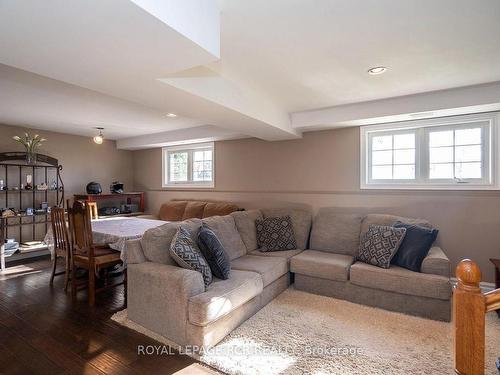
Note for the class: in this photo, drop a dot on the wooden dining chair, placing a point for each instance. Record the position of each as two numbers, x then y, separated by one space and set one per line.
95 258
94 213
62 244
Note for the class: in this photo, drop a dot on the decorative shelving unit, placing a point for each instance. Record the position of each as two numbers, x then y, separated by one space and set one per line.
24 227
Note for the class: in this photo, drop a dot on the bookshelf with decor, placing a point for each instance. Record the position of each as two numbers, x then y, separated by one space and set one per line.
29 186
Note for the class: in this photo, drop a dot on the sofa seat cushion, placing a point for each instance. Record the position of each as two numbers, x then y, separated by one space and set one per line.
322 264
400 280
270 268
286 254
224 296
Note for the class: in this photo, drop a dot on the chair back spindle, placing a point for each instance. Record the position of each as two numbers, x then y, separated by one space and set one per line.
60 230
94 213
62 244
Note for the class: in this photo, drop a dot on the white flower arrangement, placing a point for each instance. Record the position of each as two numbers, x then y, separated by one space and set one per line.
30 143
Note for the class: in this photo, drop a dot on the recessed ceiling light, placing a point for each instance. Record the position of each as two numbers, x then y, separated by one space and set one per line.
377 70
171 115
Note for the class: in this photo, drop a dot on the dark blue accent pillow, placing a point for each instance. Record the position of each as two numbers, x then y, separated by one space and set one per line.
415 246
214 253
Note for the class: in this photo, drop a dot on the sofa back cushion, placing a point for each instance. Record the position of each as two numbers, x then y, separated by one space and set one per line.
390 220
172 211
335 232
218 209
156 242
183 210
301 220
194 210
225 229
245 223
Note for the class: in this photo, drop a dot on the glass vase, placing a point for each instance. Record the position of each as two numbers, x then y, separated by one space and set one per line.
30 157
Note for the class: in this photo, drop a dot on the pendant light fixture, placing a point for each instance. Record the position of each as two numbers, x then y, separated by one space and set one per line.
99 138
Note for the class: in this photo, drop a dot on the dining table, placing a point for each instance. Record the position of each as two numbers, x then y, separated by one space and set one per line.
115 232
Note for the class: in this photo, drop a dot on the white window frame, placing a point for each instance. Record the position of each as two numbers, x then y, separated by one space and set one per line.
369 156
489 181
190 183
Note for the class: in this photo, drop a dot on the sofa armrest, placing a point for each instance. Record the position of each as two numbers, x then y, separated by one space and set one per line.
158 295
134 253
436 263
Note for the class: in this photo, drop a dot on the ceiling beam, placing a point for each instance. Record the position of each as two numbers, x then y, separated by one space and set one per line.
457 101
205 133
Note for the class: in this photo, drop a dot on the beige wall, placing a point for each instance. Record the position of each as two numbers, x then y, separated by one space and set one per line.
82 160
322 169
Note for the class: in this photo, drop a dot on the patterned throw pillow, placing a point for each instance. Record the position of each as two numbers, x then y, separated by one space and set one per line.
379 244
275 234
187 255
214 253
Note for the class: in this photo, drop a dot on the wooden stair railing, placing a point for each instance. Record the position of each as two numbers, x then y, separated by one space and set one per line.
469 308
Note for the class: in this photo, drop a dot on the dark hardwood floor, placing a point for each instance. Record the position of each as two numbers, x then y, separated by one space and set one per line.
43 332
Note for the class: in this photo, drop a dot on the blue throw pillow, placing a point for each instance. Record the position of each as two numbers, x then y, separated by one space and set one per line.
415 246
187 255
214 253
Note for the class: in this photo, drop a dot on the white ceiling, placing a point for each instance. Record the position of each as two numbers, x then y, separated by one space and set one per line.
313 54
27 99
124 64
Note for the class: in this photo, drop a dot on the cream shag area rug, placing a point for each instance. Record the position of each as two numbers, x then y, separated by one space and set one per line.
302 333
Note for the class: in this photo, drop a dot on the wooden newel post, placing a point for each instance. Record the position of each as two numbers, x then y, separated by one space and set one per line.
468 320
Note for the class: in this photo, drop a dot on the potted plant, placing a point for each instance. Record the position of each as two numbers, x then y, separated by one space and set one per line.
30 144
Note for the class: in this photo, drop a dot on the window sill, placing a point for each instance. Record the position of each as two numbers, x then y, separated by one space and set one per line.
461 187
188 186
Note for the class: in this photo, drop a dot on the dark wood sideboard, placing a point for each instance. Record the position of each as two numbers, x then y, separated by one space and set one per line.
127 198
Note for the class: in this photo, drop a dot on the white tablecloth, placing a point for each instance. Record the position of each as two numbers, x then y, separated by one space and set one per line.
115 232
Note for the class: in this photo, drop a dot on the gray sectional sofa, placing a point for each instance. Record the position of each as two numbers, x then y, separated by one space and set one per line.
173 301
329 268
